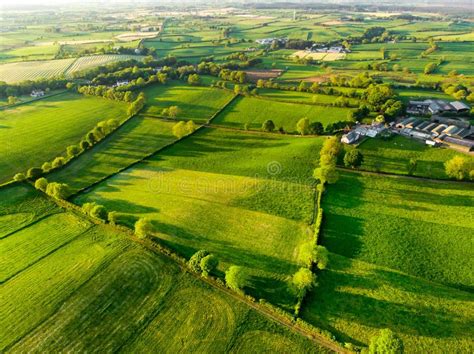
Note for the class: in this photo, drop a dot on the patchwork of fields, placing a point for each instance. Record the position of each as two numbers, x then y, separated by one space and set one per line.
228 199
112 294
52 124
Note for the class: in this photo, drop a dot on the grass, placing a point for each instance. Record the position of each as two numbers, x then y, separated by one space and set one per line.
257 221
254 111
423 229
301 97
195 102
102 291
37 132
355 300
394 155
134 140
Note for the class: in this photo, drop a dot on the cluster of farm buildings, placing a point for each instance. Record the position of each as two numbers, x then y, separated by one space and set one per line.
449 131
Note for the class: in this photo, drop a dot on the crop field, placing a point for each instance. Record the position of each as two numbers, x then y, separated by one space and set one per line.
226 200
33 70
196 103
52 123
34 52
84 63
101 290
356 299
394 156
134 140
421 229
254 111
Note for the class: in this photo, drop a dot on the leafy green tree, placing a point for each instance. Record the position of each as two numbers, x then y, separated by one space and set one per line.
194 79
321 257
386 342
190 127
41 184
98 212
12 100
180 130
112 217
58 161
430 68
268 126
353 158
34 172
237 278
316 128
19 177
58 190
46 166
302 281
303 126
326 174
194 262
208 264
171 112
458 167
73 150
143 227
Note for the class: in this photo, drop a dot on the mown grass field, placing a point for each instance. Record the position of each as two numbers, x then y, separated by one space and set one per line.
355 300
101 290
394 156
37 132
254 111
301 97
134 140
232 198
421 228
195 102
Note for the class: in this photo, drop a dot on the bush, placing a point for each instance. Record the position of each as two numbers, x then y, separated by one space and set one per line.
34 172
236 278
19 177
98 212
194 262
143 228
208 264
73 150
112 217
84 145
316 128
59 161
268 126
353 158
46 166
302 126
387 342
41 184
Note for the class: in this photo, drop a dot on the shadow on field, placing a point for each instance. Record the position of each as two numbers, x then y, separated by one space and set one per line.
125 206
378 298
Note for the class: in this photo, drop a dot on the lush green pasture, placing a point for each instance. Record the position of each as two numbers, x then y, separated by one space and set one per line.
195 102
34 52
101 290
419 94
254 111
355 300
301 97
394 156
424 229
20 206
36 132
231 198
134 140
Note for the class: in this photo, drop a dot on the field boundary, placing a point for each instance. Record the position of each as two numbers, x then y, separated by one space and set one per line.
31 101
30 224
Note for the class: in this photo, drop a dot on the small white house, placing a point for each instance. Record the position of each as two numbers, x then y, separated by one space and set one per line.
37 93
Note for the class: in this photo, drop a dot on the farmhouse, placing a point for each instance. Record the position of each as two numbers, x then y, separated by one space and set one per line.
350 137
268 41
121 83
361 130
37 93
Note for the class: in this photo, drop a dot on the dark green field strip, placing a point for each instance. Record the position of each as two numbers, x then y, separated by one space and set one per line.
355 300
423 229
29 245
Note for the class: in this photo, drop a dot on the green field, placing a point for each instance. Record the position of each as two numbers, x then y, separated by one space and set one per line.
34 133
394 155
196 103
226 200
134 140
254 111
302 97
101 290
422 229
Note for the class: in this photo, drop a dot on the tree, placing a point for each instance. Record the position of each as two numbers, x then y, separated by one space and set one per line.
12 100
331 147
303 126
73 150
190 127
194 262
353 158
208 264
46 166
171 112
380 118
268 126
194 79
41 184
98 212
180 130
321 257
316 128
387 342
34 172
302 281
430 68
326 174
58 190
236 278
458 167
58 161
143 227
19 177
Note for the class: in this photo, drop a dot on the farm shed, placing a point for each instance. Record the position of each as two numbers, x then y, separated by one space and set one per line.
439 129
463 144
350 137
460 107
423 125
405 122
417 107
452 130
